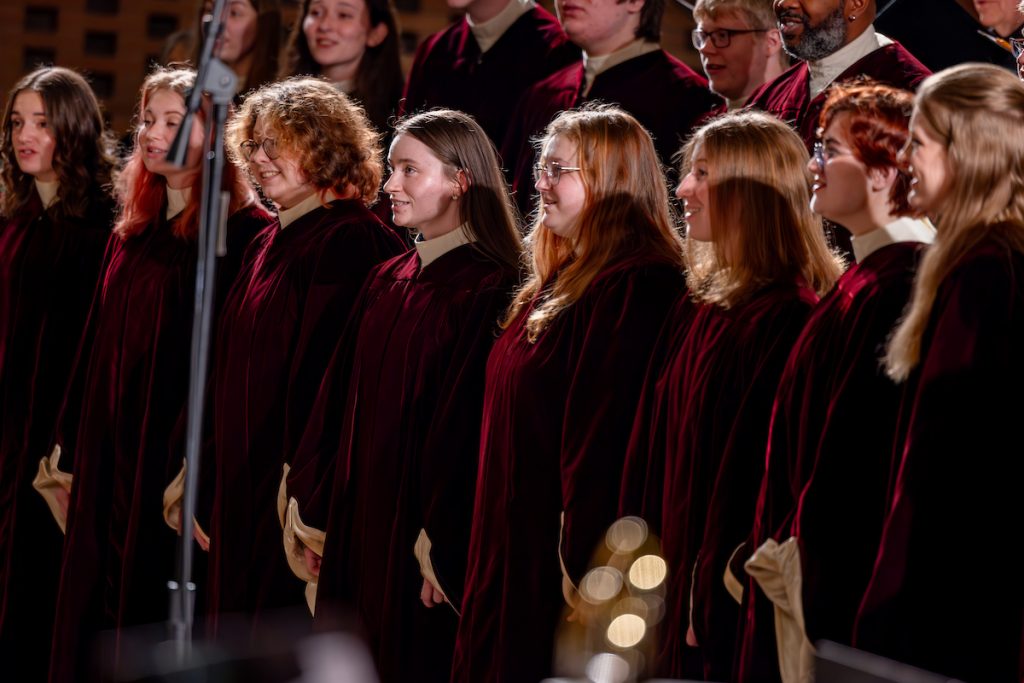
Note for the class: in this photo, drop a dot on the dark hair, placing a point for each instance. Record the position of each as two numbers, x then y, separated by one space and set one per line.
650 20
83 156
878 128
265 48
486 207
379 80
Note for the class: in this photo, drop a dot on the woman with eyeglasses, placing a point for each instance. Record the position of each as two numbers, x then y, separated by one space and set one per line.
822 499
944 594
313 153
756 263
118 555
56 217
562 384
400 411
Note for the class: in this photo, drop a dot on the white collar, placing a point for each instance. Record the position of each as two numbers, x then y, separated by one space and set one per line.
177 200
826 70
288 216
595 66
47 191
347 86
900 230
433 249
489 32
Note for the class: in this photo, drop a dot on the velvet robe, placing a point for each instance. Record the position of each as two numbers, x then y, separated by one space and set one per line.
789 96
450 71
556 420
118 554
829 455
709 427
667 97
944 594
49 268
282 319
410 431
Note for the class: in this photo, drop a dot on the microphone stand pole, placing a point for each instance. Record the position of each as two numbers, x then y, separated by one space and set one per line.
218 81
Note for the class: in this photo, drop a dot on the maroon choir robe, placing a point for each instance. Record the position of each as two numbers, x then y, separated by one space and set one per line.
118 554
556 420
411 438
789 96
945 594
282 320
830 455
49 268
450 71
667 97
704 445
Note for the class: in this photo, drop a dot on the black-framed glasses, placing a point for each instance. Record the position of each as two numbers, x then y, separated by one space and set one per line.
1017 47
552 170
249 148
720 38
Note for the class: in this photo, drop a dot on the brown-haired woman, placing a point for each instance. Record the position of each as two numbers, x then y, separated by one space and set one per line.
938 598
56 218
822 499
409 426
314 154
756 261
250 40
562 385
354 44
117 553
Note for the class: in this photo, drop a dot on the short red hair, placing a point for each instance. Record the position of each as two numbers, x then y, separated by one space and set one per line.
877 127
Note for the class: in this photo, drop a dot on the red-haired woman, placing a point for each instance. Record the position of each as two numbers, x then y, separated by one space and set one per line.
117 554
57 214
830 451
756 258
562 385
315 155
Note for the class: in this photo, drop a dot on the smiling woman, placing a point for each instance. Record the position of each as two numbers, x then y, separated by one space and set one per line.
354 44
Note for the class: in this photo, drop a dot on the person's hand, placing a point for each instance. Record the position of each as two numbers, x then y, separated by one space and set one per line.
691 637
200 537
63 500
429 595
312 561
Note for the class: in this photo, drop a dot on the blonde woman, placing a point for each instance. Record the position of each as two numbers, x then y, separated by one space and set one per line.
757 261
938 598
562 384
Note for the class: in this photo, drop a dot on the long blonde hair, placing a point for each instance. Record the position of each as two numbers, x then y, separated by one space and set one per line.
977 112
625 213
759 200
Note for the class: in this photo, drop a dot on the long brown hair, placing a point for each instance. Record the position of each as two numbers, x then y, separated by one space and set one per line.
379 80
977 112
141 194
625 214
83 156
485 207
763 230
266 45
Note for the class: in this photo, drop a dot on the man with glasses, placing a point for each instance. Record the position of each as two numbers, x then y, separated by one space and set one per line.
1017 44
837 41
622 64
740 47
1003 21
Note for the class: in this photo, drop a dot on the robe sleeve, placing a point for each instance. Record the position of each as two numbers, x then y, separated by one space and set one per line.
618 330
715 612
413 97
452 445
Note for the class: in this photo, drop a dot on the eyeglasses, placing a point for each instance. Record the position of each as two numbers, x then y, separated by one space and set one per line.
249 148
1017 47
552 170
819 155
720 38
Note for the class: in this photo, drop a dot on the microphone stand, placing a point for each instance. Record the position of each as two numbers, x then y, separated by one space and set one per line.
215 79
